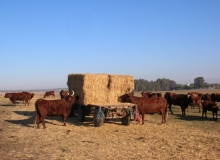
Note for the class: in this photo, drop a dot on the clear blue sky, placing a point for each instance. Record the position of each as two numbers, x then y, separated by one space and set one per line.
43 41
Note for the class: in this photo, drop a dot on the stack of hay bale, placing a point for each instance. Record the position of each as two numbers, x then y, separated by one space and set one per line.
100 88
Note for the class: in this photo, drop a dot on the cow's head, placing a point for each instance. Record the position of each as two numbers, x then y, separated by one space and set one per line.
191 98
7 95
124 98
64 94
71 98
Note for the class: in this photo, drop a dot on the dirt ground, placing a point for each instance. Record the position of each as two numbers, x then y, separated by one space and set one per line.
189 137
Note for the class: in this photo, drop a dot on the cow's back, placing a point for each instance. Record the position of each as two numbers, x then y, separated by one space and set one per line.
153 105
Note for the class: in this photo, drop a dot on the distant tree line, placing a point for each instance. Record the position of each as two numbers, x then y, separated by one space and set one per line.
169 85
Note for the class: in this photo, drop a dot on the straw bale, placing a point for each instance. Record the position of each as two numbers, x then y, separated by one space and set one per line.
99 88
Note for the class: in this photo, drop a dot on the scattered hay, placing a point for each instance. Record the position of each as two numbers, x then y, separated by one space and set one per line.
99 88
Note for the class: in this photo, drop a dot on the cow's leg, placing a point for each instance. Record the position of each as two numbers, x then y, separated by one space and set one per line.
25 102
64 120
170 108
199 106
163 117
42 120
183 110
14 102
213 115
37 120
142 117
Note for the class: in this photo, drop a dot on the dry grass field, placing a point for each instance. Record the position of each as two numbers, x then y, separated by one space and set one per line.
188 137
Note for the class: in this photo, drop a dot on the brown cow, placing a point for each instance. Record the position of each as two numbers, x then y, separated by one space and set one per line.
49 93
209 106
181 100
148 105
60 107
63 94
145 94
197 99
29 96
21 96
207 97
150 94
215 97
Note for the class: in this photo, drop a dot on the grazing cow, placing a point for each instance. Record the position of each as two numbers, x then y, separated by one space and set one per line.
60 107
209 106
63 94
148 105
49 93
206 97
21 96
181 100
215 97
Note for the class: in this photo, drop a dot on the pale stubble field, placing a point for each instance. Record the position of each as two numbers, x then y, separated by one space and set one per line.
189 137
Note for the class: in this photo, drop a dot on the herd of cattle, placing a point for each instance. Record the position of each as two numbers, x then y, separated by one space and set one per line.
149 103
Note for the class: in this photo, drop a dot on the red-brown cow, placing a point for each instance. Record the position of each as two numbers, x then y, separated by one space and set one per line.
215 97
148 105
207 97
197 99
150 94
21 96
28 95
209 106
64 93
60 107
145 94
181 100
49 93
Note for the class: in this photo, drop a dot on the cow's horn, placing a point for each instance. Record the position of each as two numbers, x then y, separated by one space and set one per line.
72 93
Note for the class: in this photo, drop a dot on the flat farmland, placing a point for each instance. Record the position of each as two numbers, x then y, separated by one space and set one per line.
182 137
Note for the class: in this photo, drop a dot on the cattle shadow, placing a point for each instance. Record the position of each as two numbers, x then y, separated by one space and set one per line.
23 122
194 118
25 113
7 105
12 105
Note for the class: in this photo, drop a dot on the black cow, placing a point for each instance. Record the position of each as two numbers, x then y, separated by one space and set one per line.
181 100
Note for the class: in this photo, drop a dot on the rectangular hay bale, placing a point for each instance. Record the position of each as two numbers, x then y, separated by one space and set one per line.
99 88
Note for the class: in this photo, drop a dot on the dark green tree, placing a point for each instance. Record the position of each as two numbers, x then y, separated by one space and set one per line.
199 82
